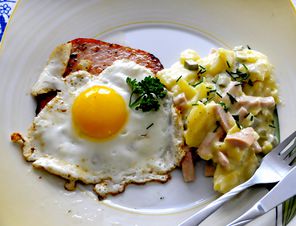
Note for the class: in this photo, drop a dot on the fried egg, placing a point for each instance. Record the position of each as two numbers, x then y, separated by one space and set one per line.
88 132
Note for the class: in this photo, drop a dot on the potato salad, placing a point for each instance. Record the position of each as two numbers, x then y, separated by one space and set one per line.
227 101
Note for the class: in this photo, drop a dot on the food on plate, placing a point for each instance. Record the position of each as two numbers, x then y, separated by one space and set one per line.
107 120
90 55
227 101
110 115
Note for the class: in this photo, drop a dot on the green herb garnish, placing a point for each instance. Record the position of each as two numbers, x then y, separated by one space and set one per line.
178 79
223 105
212 91
238 75
231 75
250 83
201 70
247 115
199 82
238 125
218 94
231 98
146 94
207 100
217 126
236 118
149 125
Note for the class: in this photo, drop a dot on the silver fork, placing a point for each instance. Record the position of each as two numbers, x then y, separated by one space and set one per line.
273 168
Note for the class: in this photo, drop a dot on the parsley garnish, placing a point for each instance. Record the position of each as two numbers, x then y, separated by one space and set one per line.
146 93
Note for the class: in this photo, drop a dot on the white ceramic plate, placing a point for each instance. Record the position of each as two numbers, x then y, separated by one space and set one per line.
164 28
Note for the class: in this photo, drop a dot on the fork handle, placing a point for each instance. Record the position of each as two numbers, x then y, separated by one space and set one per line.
198 217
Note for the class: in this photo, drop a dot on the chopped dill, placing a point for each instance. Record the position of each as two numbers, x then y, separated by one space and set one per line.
211 91
201 70
195 104
217 126
247 115
238 125
208 100
238 75
196 84
223 105
245 67
149 126
178 79
218 94
231 98
250 83
236 117
230 74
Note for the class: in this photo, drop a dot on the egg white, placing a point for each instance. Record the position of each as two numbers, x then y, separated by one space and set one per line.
137 154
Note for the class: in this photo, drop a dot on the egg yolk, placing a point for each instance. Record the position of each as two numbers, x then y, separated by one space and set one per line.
99 112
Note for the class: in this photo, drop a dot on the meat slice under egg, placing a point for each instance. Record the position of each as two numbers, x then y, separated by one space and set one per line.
94 56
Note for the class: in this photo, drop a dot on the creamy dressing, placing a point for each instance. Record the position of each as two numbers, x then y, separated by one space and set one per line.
232 91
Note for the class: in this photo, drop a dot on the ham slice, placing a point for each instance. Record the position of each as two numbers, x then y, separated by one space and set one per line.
180 101
188 167
242 113
222 159
256 147
206 147
252 101
209 169
233 88
225 118
243 139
